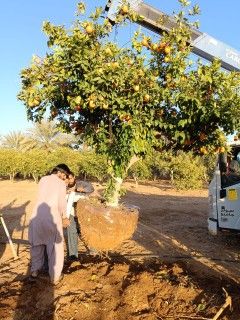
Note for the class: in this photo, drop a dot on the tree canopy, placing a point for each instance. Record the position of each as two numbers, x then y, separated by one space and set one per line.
124 102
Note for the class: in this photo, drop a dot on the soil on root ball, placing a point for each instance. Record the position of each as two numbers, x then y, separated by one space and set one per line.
104 228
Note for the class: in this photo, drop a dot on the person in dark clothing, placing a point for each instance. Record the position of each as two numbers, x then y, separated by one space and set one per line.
233 176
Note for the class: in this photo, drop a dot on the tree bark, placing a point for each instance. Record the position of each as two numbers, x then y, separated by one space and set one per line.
114 199
117 183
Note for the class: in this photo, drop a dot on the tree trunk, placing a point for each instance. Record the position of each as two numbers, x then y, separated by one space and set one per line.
35 178
136 181
12 176
114 198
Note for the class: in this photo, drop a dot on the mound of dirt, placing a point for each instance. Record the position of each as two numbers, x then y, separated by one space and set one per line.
105 228
103 289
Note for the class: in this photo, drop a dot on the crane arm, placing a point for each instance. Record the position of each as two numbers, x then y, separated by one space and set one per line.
202 44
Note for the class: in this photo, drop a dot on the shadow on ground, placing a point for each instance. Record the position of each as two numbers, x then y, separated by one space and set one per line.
14 222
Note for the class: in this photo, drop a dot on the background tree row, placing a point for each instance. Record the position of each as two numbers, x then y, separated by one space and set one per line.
184 170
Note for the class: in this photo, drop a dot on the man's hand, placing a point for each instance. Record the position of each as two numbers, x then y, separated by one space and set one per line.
81 189
65 222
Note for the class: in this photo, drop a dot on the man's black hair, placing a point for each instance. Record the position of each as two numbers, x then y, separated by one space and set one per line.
62 167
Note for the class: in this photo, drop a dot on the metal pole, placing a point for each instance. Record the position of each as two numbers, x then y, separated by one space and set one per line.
8 236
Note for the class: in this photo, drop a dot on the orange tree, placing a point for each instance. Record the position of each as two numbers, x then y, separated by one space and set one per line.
120 101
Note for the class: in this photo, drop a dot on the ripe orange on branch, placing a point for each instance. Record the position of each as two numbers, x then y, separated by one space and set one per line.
146 98
128 117
203 150
89 29
141 73
34 103
115 65
136 88
154 47
92 104
124 9
130 62
105 106
183 78
108 51
167 50
77 108
161 46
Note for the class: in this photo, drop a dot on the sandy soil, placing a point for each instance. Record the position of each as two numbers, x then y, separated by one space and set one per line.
170 269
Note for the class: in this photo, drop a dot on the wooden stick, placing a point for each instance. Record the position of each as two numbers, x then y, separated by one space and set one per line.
187 317
228 302
195 318
8 236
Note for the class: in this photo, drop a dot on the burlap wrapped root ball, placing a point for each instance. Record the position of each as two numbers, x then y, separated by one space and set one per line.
105 228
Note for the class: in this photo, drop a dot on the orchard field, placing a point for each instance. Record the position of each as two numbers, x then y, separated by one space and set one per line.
170 269
146 111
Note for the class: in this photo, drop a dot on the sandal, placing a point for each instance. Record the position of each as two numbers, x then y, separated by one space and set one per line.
56 282
34 275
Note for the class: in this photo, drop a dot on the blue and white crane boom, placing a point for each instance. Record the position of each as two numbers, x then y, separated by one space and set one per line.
202 44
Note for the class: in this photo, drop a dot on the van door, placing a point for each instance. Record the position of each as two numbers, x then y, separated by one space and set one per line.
213 191
229 207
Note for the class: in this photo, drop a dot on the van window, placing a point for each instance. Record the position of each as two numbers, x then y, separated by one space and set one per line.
231 175
238 157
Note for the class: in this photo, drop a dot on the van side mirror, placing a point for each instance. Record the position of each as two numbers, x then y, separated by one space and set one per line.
223 193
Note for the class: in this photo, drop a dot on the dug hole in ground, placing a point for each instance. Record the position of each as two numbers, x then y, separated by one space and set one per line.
170 269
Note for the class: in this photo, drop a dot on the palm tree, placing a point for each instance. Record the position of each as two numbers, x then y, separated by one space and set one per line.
14 140
45 135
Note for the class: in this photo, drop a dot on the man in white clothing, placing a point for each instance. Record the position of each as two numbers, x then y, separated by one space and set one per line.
76 190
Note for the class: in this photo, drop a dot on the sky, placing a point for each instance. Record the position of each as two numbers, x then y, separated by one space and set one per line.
21 36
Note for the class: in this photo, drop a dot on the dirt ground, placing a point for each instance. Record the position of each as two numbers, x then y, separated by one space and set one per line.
170 269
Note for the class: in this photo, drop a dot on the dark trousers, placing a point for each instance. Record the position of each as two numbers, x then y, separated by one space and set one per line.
73 231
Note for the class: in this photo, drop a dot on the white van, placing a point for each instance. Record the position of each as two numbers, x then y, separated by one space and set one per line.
224 193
